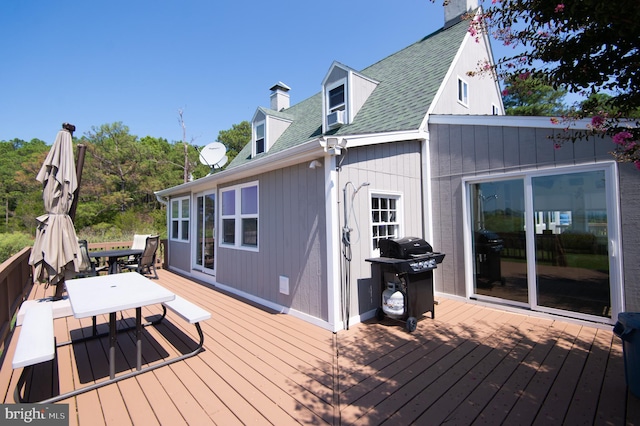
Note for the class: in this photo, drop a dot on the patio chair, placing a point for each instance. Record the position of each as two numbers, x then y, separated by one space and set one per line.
88 268
145 264
139 241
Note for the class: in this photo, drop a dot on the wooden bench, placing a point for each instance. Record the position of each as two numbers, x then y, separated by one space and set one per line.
36 341
61 308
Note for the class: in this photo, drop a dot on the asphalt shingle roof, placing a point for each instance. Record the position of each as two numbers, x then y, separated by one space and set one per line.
408 82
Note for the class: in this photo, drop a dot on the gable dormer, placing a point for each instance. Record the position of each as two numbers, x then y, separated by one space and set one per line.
268 125
344 92
266 128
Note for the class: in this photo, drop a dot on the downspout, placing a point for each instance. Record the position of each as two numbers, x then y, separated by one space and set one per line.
165 202
426 189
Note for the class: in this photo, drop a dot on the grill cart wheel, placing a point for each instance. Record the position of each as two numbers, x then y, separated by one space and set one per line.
379 314
412 323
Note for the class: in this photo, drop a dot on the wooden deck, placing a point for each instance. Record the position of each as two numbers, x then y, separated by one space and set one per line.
471 365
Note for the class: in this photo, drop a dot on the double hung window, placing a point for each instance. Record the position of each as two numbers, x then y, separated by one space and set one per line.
260 146
385 218
240 216
180 219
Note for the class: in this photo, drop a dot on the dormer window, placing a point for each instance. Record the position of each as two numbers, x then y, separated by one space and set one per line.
336 98
336 104
260 138
344 92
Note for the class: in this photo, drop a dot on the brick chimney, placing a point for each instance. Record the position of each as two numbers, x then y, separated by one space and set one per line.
454 9
280 96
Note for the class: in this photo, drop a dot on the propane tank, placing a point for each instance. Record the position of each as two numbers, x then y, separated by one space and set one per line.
393 301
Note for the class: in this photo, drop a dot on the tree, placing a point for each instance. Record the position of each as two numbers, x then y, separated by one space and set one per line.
531 96
235 138
587 46
20 192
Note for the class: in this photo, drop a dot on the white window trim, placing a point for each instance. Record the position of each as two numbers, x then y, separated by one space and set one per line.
238 216
329 88
463 98
399 215
180 219
254 150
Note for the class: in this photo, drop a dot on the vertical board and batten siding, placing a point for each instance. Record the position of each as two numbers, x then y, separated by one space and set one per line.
179 255
388 168
457 151
630 218
292 242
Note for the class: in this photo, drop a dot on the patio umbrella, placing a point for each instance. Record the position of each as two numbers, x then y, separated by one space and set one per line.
56 249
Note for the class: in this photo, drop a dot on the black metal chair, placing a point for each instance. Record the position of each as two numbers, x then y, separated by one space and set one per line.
88 268
146 263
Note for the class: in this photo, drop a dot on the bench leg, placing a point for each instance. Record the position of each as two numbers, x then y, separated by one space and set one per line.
17 397
94 386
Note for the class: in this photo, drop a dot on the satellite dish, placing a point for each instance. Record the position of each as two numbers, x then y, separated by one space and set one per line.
212 154
221 163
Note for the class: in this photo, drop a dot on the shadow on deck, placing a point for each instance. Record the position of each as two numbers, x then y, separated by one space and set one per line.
472 364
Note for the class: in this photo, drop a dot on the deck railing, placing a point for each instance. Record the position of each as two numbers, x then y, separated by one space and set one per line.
16 279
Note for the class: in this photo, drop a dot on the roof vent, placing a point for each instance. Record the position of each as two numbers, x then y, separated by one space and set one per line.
280 96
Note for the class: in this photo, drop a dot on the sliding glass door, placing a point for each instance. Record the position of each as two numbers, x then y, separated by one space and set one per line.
544 241
499 242
571 242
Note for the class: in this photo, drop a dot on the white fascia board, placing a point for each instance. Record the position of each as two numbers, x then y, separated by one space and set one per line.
307 151
507 121
446 78
378 138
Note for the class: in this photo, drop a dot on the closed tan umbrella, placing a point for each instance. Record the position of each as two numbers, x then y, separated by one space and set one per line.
56 248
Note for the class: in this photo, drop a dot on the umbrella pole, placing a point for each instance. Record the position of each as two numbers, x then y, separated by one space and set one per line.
79 165
60 286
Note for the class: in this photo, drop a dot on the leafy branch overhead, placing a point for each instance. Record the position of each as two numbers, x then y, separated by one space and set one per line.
590 47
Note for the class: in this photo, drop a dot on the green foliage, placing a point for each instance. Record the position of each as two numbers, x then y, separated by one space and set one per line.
531 96
235 138
120 175
12 243
586 46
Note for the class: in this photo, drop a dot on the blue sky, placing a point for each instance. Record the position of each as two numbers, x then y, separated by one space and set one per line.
138 61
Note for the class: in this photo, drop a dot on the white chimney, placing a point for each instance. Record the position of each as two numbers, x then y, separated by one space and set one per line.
454 9
279 96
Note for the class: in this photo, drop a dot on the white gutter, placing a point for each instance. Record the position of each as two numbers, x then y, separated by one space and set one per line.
298 154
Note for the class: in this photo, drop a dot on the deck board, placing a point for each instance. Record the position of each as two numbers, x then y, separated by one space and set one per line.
472 364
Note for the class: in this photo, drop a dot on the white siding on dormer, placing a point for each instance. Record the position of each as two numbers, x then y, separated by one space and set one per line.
361 89
275 128
335 75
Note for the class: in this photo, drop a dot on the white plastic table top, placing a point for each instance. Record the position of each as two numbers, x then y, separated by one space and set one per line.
112 293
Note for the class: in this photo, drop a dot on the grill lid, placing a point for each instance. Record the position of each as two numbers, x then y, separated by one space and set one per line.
404 248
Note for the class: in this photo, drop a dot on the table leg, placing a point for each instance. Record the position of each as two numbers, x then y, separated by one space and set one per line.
112 345
139 338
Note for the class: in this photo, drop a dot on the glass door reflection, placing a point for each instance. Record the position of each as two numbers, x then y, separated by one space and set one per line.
499 241
571 244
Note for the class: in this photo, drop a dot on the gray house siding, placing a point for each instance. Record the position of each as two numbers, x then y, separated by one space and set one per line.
292 242
630 218
180 255
388 168
457 151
